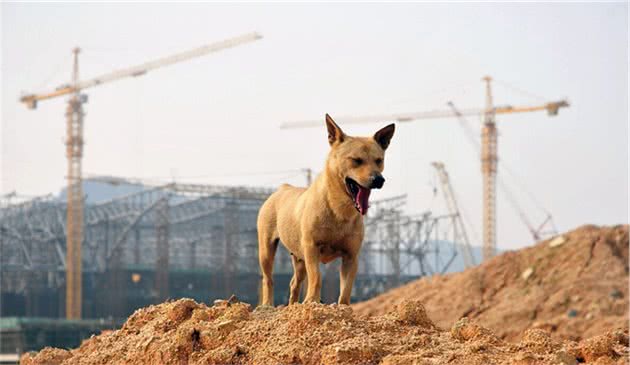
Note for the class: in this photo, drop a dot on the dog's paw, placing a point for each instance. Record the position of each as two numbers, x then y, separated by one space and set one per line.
264 308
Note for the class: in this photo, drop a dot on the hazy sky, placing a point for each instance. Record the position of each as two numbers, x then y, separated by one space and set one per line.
215 119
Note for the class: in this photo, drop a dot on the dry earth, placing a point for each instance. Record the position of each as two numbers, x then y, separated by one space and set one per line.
574 285
186 332
577 288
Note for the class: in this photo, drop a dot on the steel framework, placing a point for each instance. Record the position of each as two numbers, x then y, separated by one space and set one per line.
163 229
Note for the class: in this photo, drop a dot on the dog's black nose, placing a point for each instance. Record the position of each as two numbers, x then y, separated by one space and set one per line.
377 182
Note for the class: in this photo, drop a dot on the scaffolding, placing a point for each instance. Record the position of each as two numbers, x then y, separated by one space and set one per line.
174 240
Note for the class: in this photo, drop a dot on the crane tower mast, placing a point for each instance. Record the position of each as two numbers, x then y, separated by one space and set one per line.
489 173
74 192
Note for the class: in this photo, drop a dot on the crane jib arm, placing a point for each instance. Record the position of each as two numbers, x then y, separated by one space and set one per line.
551 108
32 99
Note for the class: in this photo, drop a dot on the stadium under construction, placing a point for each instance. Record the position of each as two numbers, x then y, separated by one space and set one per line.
146 243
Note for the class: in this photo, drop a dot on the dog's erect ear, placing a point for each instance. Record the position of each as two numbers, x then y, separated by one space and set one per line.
384 135
335 134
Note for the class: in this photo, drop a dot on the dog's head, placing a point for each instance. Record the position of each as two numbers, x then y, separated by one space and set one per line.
358 161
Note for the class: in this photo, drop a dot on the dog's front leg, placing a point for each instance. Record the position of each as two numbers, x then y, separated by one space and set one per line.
349 266
313 276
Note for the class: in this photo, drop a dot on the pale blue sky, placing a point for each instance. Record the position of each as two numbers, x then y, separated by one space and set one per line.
212 119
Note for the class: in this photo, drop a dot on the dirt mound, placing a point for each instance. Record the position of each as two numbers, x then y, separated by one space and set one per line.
574 285
186 332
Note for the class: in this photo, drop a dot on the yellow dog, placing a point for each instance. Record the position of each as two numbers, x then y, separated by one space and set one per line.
324 221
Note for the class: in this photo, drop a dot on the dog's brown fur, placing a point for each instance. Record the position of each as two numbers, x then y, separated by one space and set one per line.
320 223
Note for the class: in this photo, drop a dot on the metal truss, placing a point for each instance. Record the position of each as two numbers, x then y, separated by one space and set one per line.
398 247
190 227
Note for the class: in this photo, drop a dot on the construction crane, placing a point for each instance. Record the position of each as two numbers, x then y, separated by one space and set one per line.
488 146
460 235
74 148
536 232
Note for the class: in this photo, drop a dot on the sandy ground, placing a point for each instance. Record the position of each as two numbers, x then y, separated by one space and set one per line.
186 332
525 307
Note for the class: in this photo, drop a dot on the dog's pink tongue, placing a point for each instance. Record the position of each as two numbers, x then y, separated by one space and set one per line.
362 199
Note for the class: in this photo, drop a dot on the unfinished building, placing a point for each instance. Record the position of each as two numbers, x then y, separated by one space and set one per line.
183 240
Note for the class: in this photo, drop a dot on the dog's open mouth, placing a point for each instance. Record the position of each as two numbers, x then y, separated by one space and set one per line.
359 194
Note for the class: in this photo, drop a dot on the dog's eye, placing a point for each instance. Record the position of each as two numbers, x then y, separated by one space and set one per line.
379 161
357 161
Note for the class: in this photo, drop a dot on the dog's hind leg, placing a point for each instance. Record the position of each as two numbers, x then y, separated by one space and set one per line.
299 273
267 246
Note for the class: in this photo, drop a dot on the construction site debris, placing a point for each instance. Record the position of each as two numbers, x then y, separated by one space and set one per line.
559 240
527 273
